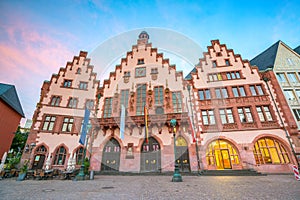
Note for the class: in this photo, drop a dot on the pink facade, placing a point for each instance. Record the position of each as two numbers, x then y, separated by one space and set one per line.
148 91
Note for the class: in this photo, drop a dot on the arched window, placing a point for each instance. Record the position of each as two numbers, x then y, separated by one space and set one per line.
222 154
60 156
41 149
79 156
270 151
55 101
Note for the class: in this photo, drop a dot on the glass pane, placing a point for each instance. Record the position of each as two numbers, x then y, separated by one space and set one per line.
274 155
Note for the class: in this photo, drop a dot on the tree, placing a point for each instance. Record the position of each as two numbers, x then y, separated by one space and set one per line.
19 141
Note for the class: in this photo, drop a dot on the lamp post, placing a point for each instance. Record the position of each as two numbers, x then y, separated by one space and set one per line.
281 120
176 176
197 149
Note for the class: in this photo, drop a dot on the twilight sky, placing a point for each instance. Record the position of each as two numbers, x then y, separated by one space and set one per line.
39 37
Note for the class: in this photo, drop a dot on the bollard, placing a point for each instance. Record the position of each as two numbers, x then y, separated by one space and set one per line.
92 175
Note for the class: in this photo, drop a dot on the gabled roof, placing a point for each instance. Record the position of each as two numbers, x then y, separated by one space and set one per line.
267 58
297 49
9 95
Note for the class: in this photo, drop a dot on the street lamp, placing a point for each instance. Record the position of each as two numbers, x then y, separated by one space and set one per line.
176 176
197 150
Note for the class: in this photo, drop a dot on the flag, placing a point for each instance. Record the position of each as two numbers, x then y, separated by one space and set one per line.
122 122
191 126
84 126
146 122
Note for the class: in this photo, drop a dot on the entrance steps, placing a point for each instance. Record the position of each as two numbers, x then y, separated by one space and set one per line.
240 172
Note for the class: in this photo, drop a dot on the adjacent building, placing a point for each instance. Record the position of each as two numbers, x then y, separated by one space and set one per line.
11 113
280 65
221 116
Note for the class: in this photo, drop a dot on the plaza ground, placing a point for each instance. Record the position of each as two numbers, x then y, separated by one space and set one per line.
155 187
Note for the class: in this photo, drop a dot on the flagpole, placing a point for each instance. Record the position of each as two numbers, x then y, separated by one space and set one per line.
197 149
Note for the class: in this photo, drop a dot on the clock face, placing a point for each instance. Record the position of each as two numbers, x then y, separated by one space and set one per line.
140 72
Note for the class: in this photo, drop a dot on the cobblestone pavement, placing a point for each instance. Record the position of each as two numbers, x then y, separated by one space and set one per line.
155 187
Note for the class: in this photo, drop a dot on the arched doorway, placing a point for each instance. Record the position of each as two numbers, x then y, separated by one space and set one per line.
182 154
111 156
222 155
39 157
150 156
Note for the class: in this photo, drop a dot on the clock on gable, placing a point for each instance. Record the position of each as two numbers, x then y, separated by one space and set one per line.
140 71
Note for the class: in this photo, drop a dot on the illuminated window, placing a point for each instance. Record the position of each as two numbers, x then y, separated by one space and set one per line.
270 151
222 155
49 123
60 156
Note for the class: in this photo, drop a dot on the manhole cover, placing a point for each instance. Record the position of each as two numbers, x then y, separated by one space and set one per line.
48 190
108 187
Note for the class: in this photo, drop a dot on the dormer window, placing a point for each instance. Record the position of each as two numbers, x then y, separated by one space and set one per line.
140 61
67 83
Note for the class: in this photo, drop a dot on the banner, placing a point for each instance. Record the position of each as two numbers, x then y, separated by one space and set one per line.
122 122
84 126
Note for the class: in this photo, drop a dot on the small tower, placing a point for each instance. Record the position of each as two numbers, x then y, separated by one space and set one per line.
143 38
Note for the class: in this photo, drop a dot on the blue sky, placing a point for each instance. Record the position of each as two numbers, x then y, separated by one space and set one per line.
39 37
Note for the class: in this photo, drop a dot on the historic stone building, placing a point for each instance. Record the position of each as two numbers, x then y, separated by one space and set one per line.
225 116
236 116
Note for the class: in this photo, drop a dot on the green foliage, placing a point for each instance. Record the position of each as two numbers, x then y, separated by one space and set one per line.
86 166
19 141
13 161
24 168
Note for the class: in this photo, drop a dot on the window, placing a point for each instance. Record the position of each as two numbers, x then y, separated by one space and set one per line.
154 71
60 156
264 113
256 90
176 100
290 61
140 99
72 102
226 116
79 156
227 62
221 93
140 61
88 126
297 114
298 93
281 77
233 75
78 71
89 104
204 94
292 77
289 94
67 83
124 99
239 91
107 107
215 77
127 74
158 95
270 151
208 117
55 101
83 85
245 115
214 64
49 123
67 124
